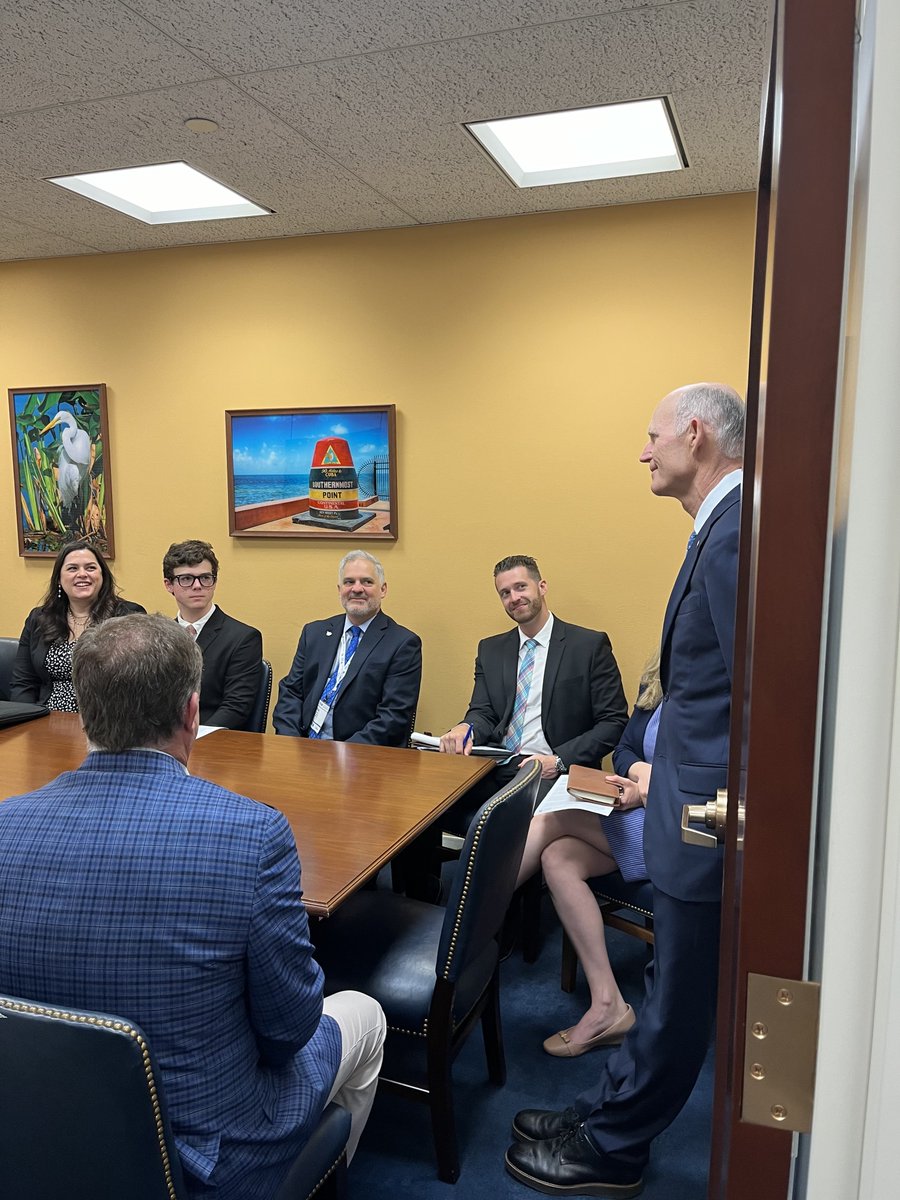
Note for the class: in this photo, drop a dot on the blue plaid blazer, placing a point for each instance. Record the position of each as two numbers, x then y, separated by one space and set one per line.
130 887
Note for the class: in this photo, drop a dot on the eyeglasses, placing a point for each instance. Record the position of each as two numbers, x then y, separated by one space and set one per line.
187 581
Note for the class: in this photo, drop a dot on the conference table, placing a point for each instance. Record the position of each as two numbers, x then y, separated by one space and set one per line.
351 807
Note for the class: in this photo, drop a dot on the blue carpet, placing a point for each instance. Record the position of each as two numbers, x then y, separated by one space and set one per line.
395 1157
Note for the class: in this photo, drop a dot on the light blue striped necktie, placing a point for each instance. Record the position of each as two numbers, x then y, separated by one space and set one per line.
523 687
691 539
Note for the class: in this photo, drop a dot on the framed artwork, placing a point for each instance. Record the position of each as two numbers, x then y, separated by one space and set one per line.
60 445
313 472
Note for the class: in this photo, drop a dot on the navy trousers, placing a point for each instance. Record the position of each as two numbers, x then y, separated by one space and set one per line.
648 1079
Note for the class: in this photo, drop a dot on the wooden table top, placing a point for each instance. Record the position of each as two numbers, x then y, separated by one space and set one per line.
351 807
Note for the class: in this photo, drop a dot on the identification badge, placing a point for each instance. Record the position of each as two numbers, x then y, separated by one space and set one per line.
319 719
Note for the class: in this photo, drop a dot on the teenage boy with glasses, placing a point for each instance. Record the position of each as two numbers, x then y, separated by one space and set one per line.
232 651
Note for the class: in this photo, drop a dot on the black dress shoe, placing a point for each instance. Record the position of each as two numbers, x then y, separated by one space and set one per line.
537 1125
570 1166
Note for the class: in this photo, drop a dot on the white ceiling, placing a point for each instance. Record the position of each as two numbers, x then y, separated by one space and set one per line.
348 114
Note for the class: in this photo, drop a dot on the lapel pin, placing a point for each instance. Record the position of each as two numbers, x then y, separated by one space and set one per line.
328 633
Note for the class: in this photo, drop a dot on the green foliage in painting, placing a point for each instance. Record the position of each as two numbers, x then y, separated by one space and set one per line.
59 450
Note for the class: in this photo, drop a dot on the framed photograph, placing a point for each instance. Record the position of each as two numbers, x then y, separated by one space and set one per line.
313 472
60 444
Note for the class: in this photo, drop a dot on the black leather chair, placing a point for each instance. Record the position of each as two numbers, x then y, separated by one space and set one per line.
82 1111
82 1115
259 715
321 1169
435 971
9 648
626 906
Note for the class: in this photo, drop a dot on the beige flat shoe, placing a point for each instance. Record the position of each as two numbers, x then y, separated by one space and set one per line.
560 1045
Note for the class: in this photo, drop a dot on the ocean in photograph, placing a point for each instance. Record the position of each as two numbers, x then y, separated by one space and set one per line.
257 489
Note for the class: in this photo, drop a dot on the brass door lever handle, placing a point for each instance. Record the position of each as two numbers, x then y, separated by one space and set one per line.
711 815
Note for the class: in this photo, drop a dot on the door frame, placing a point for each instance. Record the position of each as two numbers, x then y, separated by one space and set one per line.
795 356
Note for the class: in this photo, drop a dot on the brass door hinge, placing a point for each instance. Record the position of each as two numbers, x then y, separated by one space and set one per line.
780 1052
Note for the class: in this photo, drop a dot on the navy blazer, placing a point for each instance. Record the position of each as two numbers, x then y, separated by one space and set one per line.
583 709
631 745
137 889
232 664
697 653
379 693
30 681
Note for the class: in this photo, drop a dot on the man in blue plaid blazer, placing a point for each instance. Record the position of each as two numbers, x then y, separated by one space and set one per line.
130 887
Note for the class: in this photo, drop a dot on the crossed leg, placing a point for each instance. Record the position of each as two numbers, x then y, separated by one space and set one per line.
571 847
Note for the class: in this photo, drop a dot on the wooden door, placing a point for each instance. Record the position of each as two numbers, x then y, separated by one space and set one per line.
795 350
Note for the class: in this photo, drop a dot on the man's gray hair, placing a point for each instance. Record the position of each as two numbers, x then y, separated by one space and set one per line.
133 678
369 558
720 409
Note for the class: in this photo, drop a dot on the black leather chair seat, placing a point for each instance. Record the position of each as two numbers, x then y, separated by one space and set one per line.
389 950
636 894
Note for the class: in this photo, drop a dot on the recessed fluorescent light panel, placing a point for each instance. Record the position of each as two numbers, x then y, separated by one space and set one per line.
163 194
637 138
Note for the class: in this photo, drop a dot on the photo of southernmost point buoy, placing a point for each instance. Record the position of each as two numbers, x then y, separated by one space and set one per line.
333 489
312 472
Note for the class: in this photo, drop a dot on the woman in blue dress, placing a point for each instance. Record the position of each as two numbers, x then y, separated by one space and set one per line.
573 845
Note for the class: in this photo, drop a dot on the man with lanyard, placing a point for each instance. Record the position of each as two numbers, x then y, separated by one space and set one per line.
356 676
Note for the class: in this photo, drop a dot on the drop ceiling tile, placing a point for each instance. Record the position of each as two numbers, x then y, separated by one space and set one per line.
239 36
713 44
62 51
19 240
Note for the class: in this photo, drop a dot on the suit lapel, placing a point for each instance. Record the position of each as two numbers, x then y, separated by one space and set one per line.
334 627
509 671
691 558
369 641
210 630
551 667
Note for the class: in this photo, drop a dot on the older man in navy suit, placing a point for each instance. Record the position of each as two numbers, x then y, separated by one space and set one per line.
131 887
356 676
600 1145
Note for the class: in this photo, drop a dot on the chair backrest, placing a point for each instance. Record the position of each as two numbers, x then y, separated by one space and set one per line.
9 648
485 875
83 1112
259 714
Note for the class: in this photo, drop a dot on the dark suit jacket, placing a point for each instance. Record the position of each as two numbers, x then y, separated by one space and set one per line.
631 745
232 663
146 892
378 695
30 681
583 710
691 757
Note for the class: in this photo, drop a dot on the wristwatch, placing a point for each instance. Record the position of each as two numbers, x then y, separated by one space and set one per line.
560 766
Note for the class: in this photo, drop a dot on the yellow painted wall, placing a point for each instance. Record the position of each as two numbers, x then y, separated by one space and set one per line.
524 357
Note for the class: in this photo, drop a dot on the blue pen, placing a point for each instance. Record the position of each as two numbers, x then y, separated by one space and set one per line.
467 738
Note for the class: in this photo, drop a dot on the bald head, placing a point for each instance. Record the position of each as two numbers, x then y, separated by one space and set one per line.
696 437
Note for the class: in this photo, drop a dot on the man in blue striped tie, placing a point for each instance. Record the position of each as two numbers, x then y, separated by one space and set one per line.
546 690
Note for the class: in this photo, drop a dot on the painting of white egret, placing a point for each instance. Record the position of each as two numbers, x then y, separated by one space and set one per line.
61 464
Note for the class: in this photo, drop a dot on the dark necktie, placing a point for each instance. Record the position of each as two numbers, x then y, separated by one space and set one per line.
333 683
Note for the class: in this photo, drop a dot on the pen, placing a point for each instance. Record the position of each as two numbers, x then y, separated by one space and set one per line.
467 738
